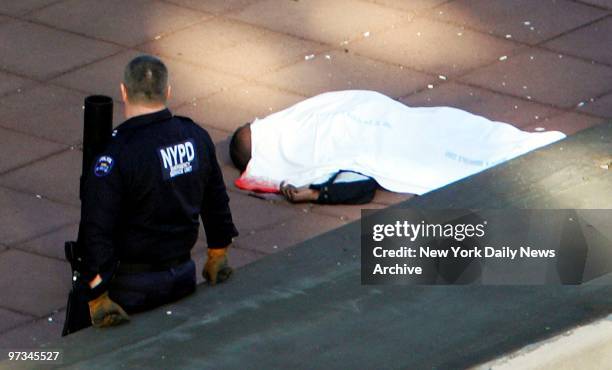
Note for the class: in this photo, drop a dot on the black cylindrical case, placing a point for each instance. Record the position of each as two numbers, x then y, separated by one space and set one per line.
97 132
97 129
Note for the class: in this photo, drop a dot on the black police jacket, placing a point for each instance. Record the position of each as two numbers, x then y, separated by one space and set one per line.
144 195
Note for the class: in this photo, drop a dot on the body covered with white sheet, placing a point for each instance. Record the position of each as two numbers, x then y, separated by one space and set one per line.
409 150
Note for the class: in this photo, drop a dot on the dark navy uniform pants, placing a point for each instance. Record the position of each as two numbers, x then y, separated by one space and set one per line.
136 292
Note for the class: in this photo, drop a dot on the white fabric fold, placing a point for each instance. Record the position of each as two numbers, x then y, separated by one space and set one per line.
405 149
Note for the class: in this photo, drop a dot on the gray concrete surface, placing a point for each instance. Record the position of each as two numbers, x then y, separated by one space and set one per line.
586 347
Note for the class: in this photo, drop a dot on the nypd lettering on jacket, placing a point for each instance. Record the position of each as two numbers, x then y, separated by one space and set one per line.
178 159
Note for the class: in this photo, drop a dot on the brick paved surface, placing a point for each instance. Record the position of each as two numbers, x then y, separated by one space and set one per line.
532 63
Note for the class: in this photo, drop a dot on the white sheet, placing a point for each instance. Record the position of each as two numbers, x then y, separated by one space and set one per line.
409 150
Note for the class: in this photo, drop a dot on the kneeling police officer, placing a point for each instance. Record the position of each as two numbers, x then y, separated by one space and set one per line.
142 202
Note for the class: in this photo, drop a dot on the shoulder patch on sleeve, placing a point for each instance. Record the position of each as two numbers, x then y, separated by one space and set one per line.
104 166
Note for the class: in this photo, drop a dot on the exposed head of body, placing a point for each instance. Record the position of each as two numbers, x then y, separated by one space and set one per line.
240 147
145 88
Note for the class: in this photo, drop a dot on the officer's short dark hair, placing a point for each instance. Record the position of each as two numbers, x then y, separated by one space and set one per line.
240 147
146 80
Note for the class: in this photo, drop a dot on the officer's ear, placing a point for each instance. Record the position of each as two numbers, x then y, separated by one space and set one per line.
169 93
124 95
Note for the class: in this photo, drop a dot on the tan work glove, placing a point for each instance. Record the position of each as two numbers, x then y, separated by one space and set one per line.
216 270
104 312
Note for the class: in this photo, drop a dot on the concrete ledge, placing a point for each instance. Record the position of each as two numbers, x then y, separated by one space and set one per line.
586 347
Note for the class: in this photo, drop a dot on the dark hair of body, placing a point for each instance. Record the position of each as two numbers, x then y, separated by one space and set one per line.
240 147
